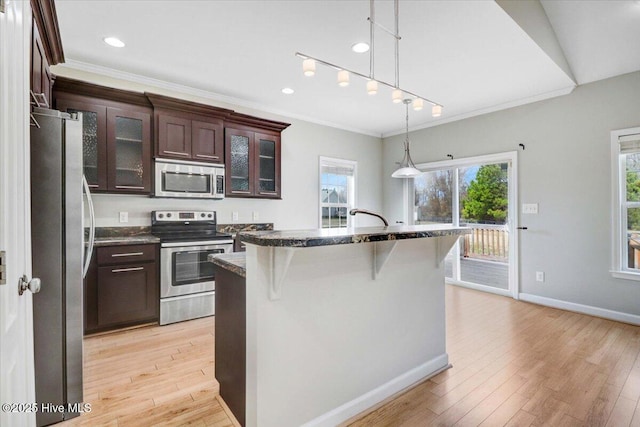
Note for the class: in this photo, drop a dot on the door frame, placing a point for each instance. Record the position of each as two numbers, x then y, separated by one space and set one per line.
16 312
510 157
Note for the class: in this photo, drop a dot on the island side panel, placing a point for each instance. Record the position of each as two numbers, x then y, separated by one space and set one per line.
230 353
336 333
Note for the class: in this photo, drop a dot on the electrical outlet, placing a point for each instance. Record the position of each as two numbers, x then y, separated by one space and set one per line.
234 216
539 276
529 208
256 215
124 216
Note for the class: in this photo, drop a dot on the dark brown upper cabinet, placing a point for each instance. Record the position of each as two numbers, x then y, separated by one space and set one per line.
41 79
252 150
188 131
116 131
46 46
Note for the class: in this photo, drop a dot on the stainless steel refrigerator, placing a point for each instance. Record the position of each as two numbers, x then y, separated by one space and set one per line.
57 251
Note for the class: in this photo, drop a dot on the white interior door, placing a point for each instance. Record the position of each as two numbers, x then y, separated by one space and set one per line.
17 386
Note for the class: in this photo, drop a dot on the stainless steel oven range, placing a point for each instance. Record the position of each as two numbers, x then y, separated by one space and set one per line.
187 282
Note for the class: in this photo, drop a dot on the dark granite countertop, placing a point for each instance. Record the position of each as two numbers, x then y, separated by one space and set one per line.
126 240
111 236
235 262
343 236
235 228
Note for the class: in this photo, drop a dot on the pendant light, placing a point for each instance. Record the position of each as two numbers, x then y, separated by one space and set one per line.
407 168
373 83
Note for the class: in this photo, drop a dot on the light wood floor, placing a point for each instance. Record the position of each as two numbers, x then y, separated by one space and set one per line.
514 364
156 375
519 364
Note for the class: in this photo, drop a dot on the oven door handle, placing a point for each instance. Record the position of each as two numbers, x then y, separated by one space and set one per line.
205 244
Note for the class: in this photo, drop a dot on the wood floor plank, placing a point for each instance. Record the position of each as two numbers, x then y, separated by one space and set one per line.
406 409
635 421
505 411
622 413
487 406
603 406
521 419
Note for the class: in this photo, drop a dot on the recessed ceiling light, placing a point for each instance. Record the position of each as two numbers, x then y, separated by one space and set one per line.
361 47
287 91
114 41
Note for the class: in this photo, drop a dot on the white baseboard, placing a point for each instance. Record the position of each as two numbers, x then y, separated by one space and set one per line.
477 287
377 395
580 308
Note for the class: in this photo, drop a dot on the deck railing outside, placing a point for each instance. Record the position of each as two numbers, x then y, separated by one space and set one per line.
487 241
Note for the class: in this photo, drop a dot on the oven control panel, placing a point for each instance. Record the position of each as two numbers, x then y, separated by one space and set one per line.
173 216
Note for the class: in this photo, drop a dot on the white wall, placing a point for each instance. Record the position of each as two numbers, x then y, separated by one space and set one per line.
337 341
302 144
565 168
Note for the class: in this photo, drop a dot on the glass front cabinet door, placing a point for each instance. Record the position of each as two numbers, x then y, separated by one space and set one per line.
240 147
116 144
129 150
253 164
94 137
268 165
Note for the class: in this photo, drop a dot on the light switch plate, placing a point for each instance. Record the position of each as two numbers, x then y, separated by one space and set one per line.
234 216
256 215
124 216
539 276
529 208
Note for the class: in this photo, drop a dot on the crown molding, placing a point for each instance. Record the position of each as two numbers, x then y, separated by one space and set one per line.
44 14
487 110
188 90
79 87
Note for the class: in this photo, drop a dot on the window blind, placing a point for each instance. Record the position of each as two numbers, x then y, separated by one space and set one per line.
340 169
629 143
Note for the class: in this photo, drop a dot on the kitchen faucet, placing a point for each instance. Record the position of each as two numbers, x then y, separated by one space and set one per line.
364 211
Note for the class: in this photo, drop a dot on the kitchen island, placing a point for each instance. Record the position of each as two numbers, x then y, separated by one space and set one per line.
336 320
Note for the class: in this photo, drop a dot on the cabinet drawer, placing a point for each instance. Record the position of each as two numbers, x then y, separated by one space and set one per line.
127 294
125 254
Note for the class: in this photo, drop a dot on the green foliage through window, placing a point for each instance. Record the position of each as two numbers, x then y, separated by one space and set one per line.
487 195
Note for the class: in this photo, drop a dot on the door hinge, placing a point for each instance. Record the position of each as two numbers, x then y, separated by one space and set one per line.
3 268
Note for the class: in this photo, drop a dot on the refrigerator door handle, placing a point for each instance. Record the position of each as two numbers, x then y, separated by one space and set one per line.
92 228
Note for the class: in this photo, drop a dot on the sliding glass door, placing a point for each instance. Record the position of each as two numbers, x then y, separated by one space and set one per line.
478 193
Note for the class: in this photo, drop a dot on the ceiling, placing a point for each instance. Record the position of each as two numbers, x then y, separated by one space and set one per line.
470 56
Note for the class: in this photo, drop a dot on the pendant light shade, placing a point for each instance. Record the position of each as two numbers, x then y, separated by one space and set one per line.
309 67
418 104
407 168
372 87
343 78
396 96
436 111
407 172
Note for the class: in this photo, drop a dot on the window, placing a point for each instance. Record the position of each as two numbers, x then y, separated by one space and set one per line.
337 192
625 149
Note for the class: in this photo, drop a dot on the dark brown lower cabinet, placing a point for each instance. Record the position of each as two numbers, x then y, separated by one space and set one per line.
230 333
121 288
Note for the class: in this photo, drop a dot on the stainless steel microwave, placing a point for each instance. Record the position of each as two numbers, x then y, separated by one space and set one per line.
194 180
